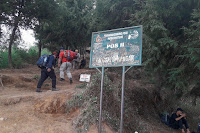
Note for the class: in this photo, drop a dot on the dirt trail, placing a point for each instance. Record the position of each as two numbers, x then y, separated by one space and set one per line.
22 110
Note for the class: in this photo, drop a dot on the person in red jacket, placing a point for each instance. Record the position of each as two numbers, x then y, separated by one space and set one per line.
66 57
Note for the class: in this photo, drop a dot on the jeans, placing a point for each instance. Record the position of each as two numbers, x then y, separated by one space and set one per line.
44 75
75 64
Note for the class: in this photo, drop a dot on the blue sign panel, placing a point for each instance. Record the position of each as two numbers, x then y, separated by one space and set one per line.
119 47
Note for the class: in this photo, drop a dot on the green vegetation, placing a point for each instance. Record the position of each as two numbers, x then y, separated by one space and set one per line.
20 57
83 85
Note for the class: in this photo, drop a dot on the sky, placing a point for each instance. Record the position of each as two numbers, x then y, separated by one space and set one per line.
27 37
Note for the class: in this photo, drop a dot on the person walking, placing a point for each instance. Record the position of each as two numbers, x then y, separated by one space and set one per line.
48 71
76 60
66 57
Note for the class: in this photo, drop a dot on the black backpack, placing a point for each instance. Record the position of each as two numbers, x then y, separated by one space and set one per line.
165 118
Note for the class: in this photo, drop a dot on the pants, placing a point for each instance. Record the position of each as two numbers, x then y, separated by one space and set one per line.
75 64
82 66
44 75
179 124
65 66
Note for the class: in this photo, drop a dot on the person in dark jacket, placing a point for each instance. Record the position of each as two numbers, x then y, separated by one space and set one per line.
178 121
83 63
48 72
57 58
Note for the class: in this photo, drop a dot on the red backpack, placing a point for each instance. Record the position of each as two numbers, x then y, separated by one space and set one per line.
69 54
75 55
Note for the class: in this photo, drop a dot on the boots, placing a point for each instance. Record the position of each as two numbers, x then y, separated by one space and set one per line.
38 90
55 89
61 79
70 80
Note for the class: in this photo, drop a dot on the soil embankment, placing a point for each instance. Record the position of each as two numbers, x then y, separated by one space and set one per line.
22 110
25 111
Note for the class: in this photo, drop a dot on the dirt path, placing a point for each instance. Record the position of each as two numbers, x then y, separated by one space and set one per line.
22 110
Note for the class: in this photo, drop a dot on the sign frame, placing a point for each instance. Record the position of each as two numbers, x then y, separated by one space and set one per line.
117 30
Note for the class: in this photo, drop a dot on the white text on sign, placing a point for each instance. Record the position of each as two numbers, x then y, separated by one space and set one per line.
115 45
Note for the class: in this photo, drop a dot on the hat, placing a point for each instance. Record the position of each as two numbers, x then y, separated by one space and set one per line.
61 48
179 109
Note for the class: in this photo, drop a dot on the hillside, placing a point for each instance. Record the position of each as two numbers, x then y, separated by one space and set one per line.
23 110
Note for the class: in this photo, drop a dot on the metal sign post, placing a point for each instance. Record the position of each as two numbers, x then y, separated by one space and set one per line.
101 99
114 48
122 99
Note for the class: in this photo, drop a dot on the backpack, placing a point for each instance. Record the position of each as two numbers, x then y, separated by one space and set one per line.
75 55
165 118
69 54
43 61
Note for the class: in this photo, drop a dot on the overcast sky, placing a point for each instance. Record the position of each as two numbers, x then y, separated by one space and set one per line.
28 38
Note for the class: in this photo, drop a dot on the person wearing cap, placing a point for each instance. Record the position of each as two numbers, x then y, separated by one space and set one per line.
48 72
178 121
76 60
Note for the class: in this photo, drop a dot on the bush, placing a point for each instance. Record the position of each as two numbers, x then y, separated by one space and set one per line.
17 59
4 59
20 56
89 102
142 105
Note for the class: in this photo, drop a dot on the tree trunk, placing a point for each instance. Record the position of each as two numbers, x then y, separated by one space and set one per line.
40 48
12 38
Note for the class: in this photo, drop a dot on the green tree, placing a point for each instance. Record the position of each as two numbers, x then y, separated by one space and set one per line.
15 14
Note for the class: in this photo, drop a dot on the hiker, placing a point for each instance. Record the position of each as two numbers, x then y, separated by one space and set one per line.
83 63
178 121
61 50
48 71
76 60
66 57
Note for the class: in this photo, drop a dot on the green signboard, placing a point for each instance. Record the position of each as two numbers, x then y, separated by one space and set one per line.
119 47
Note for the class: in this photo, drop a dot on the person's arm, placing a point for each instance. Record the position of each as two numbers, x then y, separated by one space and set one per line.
60 58
59 61
51 61
183 115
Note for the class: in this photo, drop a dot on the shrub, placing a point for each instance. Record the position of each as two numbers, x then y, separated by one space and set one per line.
20 56
4 59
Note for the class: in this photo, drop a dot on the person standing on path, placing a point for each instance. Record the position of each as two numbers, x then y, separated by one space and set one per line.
66 57
76 60
48 71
